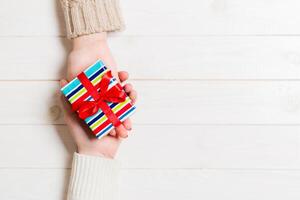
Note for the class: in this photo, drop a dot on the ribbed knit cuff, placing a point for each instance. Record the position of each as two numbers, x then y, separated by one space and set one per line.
93 178
91 16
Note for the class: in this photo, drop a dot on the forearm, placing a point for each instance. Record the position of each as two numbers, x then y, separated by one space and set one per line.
93 178
89 40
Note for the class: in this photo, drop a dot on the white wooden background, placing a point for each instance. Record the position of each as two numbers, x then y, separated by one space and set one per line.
241 140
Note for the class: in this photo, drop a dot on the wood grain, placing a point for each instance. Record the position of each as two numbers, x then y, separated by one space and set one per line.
202 58
157 147
168 17
218 111
168 102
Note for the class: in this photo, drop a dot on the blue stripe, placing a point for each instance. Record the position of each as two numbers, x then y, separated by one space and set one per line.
96 116
97 73
74 83
89 71
74 91
90 98
109 127
127 113
99 115
90 78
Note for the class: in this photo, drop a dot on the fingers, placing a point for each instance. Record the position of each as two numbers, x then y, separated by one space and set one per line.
113 133
133 96
63 82
123 76
130 92
121 131
127 124
128 88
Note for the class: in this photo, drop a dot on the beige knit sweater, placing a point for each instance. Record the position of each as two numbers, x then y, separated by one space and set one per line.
84 17
92 178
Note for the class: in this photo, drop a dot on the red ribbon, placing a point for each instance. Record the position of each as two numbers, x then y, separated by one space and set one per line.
114 95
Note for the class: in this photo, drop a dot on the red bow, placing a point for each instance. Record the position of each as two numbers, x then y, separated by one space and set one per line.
114 95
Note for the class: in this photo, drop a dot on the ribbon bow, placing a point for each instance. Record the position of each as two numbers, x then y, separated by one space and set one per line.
114 95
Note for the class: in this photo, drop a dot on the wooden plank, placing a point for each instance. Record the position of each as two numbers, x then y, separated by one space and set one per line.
33 58
31 184
149 147
157 17
209 57
32 143
216 17
168 102
152 57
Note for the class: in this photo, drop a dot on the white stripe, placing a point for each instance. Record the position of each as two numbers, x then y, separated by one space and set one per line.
106 117
122 120
88 77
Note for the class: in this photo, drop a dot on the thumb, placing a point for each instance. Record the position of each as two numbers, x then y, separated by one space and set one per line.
63 82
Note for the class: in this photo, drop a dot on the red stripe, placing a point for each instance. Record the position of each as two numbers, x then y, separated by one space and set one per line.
107 122
89 86
85 95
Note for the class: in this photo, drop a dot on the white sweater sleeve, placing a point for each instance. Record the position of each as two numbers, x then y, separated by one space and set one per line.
93 178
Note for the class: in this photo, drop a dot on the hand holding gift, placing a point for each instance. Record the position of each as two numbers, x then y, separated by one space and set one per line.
99 99
86 50
86 143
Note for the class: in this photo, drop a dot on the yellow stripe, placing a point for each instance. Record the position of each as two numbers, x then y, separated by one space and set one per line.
97 79
82 91
104 118
77 95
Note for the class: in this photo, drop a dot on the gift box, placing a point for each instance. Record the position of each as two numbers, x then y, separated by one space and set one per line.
99 99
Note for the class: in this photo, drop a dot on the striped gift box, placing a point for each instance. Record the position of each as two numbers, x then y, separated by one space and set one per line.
75 92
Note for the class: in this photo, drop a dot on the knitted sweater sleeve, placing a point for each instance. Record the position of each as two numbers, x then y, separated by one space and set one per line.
84 17
93 178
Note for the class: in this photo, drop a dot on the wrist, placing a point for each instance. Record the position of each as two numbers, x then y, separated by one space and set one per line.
95 152
96 39
91 153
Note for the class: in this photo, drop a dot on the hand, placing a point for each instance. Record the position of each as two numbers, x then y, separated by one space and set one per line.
87 143
86 50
